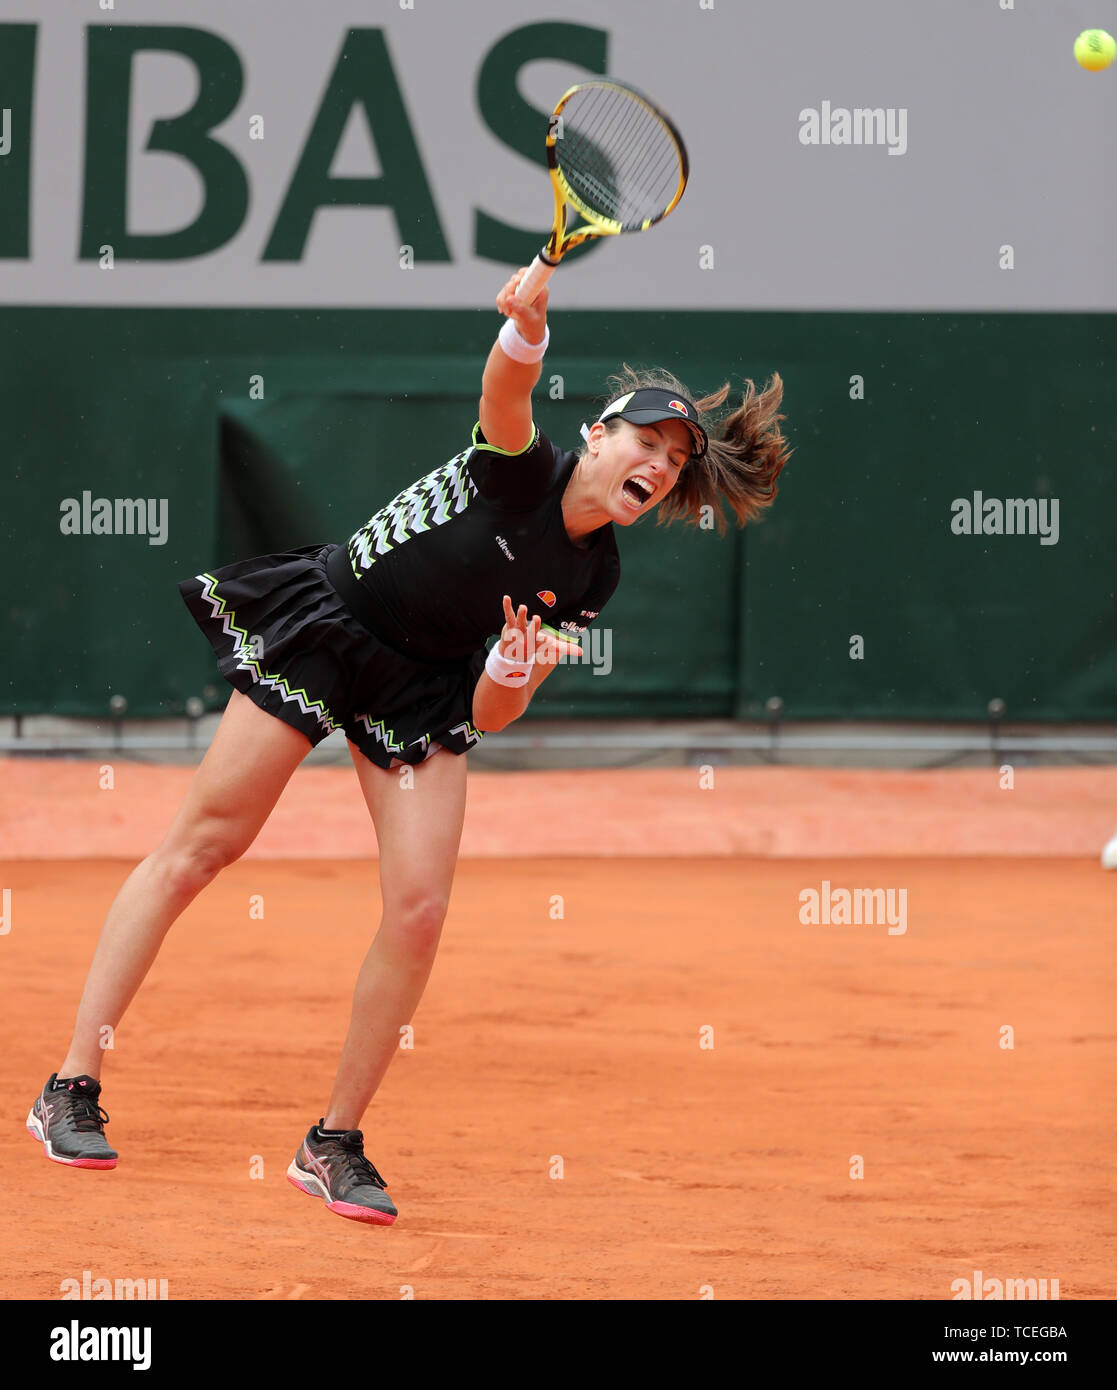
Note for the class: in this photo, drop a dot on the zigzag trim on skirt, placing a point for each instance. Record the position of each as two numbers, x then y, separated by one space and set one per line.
246 660
387 737
472 735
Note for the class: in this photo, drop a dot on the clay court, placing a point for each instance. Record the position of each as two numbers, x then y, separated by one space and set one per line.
686 1169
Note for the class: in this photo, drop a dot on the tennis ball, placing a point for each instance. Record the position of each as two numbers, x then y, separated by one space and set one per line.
1095 49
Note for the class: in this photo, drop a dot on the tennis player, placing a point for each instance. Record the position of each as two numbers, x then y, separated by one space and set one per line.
385 638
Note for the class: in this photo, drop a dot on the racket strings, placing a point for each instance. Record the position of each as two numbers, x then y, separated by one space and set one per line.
625 158
654 180
640 197
618 156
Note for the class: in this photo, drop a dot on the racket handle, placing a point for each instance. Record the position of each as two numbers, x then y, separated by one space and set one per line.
539 272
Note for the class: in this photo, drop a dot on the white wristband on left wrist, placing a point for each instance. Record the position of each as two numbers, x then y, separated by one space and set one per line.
505 672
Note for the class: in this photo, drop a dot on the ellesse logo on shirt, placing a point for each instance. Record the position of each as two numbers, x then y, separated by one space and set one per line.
547 597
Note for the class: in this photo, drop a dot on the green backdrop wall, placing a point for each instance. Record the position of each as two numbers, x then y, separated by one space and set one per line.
156 403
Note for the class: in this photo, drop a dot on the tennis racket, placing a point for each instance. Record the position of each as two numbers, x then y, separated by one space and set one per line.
617 159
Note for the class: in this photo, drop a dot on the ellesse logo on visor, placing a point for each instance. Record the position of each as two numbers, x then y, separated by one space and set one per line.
678 405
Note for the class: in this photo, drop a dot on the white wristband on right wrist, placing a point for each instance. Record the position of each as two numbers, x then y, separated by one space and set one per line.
505 672
516 346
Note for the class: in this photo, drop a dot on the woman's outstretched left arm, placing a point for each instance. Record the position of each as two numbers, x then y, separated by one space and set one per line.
495 706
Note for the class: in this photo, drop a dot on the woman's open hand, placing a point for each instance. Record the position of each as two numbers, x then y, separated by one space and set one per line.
523 640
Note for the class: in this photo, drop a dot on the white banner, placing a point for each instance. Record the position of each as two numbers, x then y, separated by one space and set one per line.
879 154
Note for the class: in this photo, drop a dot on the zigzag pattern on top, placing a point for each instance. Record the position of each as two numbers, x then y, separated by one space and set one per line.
429 501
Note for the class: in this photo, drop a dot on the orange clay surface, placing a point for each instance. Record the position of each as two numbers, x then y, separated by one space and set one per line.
542 1039
57 809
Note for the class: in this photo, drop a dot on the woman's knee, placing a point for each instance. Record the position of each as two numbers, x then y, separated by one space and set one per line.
189 866
415 921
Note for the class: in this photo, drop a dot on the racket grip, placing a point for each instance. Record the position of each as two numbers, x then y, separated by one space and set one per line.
539 272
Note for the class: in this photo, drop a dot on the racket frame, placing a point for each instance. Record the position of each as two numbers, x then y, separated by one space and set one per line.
560 241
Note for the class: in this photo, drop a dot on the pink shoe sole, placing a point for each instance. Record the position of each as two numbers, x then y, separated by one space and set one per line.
71 1162
368 1215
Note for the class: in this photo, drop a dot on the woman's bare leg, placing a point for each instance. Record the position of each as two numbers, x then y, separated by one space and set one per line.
237 784
418 830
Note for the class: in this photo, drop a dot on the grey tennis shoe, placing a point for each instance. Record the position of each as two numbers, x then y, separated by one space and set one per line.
69 1123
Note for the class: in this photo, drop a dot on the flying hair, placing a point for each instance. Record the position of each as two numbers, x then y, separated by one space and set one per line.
747 450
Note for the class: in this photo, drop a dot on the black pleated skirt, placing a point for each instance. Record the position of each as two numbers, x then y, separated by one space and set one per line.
286 638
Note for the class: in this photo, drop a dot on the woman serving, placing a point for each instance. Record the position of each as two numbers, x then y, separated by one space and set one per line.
385 638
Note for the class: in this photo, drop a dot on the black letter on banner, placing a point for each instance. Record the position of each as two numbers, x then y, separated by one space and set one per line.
523 128
111 49
362 75
17 83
